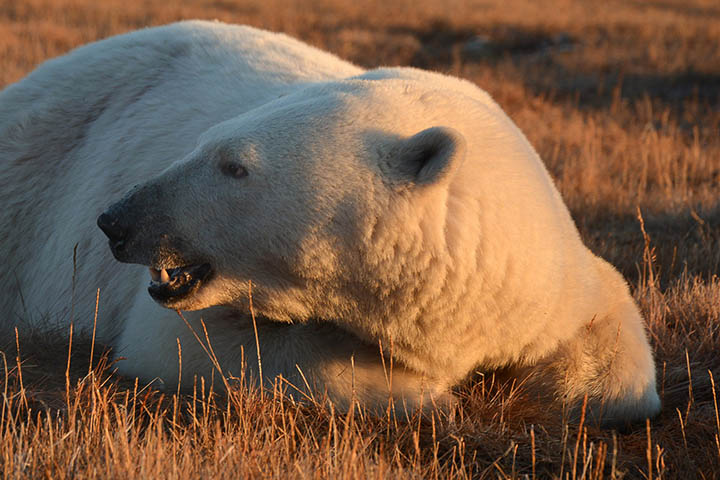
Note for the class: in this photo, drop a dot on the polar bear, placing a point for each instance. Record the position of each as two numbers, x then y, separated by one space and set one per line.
375 217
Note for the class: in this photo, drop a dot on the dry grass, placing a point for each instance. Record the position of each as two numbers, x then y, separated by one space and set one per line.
621 99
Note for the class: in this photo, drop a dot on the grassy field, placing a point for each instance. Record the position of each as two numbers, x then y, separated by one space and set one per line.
622 100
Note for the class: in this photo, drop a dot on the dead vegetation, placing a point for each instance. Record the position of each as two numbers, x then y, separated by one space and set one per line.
622 101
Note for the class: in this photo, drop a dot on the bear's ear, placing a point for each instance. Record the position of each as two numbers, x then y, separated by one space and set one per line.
427 157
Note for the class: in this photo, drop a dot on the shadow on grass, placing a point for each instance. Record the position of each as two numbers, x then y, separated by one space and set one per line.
683 243
535 56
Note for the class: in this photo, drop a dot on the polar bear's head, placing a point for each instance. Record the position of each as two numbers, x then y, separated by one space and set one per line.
320 198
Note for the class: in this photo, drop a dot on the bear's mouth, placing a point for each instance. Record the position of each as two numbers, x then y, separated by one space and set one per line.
171 286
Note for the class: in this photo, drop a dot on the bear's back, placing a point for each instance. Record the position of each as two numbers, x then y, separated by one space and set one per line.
191 49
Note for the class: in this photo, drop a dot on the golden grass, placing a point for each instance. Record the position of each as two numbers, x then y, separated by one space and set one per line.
622 101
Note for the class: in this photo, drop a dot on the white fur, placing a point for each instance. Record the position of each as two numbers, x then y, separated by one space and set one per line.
472 263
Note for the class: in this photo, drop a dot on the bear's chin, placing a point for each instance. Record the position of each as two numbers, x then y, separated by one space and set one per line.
187 304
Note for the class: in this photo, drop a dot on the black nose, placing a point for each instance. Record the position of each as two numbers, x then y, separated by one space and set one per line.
112 228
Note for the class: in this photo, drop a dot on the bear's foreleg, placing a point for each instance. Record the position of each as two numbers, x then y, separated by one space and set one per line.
610 362
310 360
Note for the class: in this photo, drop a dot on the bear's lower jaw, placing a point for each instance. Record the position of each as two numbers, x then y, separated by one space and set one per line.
174 288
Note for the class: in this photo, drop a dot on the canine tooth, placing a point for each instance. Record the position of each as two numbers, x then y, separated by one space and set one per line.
164 277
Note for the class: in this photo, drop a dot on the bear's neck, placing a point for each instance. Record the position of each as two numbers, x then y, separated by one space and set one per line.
415 290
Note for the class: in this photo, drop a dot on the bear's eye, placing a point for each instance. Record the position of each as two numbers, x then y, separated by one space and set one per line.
234 170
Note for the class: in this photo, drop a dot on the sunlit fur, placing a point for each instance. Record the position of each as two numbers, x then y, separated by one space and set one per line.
472 263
